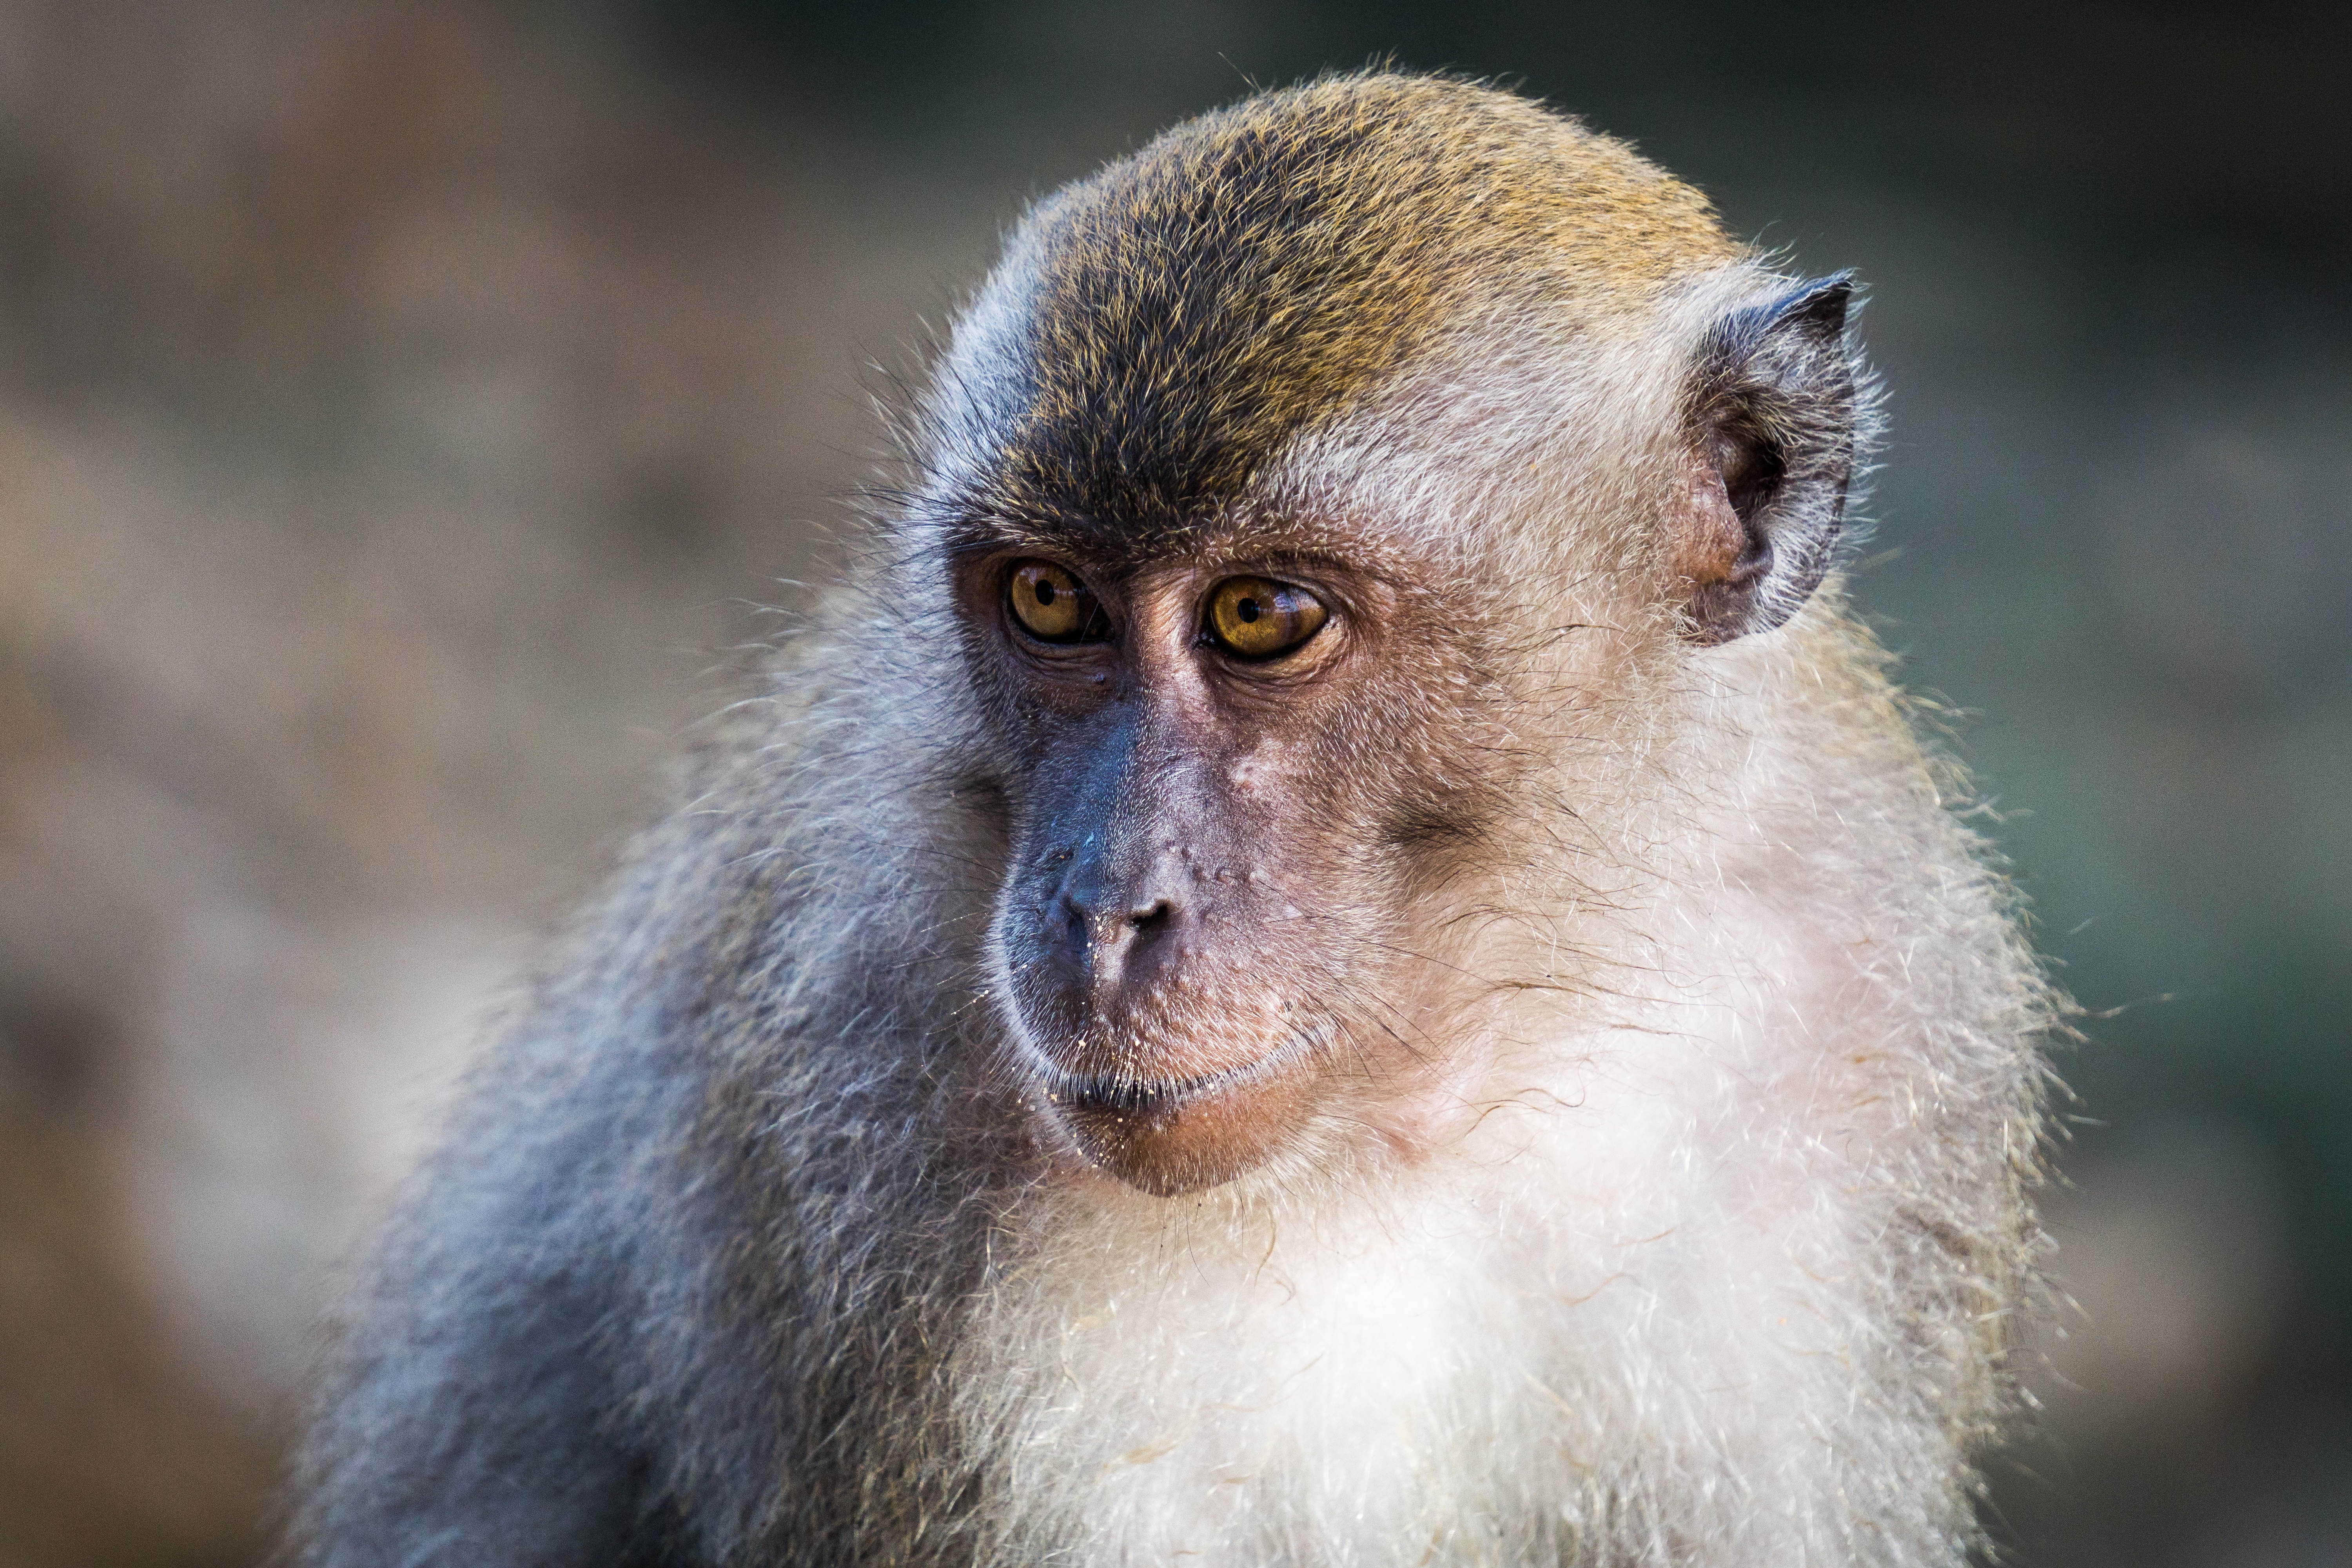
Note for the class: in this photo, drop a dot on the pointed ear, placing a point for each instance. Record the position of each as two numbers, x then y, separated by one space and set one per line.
1769 451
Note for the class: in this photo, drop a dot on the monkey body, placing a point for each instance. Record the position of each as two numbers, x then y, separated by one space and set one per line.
1339 955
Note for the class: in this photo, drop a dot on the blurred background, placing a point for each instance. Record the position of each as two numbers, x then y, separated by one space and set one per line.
406 405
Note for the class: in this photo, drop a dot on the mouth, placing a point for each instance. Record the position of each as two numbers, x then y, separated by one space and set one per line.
1176 1135
1156 1097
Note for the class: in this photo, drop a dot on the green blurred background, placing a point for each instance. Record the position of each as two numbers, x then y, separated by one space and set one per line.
406 405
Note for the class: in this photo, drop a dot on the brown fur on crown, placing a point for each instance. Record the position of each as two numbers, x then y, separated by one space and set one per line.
1261 270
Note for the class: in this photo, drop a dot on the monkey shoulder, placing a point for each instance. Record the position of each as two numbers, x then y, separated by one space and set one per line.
548 1334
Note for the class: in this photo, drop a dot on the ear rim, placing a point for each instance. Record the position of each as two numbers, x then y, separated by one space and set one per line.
1820 305
1780 385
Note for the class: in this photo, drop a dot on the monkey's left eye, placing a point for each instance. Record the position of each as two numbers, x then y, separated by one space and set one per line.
1053 605
1254 617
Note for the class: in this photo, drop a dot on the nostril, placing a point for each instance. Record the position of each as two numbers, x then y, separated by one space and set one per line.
1095 936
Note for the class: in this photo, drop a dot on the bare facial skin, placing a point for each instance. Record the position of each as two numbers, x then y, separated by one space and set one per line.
1338 953
1190 905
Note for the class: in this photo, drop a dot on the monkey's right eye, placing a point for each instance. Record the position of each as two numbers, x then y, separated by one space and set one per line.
1053 605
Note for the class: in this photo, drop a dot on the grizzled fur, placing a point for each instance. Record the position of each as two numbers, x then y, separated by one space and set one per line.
746 1246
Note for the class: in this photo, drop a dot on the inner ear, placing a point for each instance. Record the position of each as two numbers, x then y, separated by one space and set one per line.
1768 455
1712 547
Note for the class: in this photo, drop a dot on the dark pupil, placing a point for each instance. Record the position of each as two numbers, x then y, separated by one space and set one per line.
1045 592
1246 610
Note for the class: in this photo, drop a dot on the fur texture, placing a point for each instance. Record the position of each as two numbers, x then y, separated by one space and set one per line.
1697 1237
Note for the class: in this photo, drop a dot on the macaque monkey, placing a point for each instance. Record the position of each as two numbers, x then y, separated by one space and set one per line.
1338 951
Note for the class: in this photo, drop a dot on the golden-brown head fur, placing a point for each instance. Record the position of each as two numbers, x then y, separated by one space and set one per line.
1263 269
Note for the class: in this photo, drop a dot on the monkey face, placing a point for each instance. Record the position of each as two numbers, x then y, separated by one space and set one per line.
1196 934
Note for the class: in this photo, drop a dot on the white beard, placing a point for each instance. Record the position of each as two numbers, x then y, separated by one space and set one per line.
1651 1310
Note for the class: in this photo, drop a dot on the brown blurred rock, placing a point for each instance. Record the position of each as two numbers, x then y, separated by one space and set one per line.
112 1450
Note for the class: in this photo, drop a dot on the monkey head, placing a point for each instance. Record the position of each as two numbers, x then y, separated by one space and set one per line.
1279 478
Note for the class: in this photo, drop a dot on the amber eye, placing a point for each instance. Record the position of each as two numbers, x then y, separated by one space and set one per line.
1255 619
1053 605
